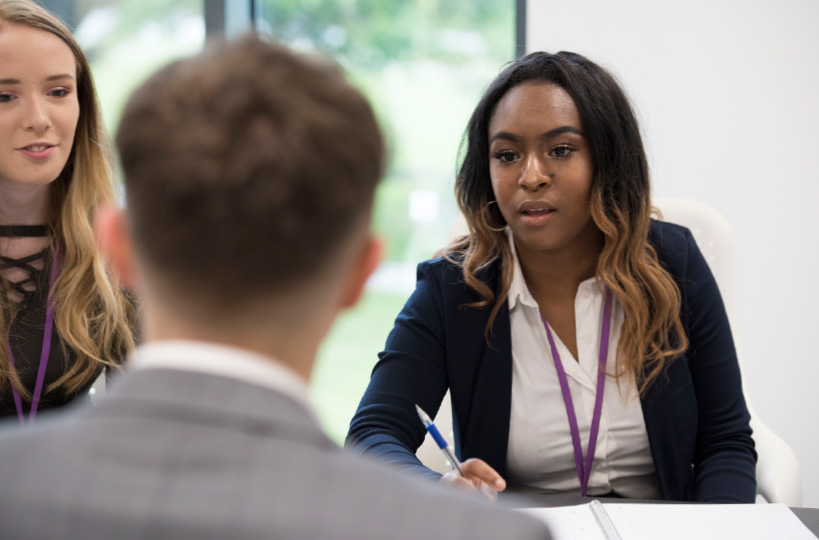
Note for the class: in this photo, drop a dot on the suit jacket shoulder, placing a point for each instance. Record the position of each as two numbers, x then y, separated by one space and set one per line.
178 455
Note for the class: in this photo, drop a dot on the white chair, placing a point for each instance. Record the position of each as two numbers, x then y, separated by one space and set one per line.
777 471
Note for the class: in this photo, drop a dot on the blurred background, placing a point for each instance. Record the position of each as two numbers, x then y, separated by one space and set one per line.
422 63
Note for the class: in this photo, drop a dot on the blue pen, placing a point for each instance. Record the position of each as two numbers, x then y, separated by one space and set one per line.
439 440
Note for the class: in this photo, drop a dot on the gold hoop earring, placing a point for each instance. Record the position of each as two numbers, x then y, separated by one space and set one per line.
489 214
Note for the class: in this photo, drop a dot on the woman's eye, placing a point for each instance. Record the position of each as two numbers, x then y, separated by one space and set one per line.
506 157
59 92
561 151
5 98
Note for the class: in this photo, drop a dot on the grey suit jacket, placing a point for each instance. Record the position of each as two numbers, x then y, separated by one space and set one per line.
174 454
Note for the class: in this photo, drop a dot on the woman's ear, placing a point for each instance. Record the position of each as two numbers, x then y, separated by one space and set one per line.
114 243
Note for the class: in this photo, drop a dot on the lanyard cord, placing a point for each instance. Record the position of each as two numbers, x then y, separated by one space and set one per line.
583 473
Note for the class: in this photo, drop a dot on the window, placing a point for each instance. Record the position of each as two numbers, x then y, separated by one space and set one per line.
127 40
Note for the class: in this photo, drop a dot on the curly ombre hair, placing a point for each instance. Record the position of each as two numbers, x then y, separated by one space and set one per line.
620 206
93 316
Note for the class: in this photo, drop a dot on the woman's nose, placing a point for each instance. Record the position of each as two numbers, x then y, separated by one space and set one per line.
534 174
36 118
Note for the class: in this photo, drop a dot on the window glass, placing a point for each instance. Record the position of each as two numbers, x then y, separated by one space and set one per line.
127 40
424 65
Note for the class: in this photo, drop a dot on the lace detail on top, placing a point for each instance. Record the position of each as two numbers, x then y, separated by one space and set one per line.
29 286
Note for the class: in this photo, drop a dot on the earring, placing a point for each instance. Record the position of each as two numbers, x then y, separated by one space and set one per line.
487 217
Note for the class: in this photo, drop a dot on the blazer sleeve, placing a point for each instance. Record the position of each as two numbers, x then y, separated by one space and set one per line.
411 370
724 458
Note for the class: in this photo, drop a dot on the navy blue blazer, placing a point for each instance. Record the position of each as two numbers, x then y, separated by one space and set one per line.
695 415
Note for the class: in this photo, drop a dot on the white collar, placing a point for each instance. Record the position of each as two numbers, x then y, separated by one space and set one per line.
223 361
518 290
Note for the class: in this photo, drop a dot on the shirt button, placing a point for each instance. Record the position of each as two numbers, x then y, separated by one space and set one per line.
588 340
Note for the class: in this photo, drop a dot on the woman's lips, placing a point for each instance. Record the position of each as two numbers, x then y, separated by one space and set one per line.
536 213
37 152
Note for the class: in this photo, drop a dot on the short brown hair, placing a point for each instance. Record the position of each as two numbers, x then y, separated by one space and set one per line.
247 167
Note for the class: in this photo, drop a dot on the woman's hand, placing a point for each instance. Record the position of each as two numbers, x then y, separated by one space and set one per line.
478 477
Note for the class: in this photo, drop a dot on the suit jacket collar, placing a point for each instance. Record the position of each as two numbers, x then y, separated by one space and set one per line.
224 360
182 396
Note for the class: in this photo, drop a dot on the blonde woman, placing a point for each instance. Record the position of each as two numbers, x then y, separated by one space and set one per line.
62 319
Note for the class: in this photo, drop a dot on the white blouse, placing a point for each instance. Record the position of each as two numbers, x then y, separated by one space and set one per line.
540 452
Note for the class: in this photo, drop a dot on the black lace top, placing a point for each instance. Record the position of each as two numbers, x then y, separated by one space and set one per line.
26 338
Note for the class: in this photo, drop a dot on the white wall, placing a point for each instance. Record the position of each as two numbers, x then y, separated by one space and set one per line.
727 92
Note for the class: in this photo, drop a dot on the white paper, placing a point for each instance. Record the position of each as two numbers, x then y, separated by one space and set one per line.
677 521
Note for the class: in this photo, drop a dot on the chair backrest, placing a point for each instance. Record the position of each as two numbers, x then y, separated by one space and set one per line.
715 238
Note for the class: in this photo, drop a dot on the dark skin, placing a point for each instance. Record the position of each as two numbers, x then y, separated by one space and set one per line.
554 284
541 167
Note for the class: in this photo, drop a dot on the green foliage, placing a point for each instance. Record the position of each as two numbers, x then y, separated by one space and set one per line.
371 33
422 63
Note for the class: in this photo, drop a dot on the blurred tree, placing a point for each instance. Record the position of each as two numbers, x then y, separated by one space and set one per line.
373 32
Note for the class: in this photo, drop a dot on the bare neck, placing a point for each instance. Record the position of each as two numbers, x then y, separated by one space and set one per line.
290 349
23 204
292 341
557 275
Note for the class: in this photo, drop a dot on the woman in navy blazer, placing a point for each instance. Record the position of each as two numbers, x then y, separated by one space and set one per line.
554 161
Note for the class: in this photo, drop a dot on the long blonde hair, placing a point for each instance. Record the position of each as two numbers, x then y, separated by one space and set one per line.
92 315
620 206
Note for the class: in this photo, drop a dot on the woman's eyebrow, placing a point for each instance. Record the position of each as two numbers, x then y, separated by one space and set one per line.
505 135
50 78
560 130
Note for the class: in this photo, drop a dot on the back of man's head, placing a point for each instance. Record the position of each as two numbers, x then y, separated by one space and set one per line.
249 169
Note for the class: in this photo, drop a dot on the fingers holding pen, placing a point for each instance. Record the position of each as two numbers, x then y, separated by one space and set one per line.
478 468
474 474
478 477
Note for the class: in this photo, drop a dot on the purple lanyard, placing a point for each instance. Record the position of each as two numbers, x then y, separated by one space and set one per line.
46 350
583 473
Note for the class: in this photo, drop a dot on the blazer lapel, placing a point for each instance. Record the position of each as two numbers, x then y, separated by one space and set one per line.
488 436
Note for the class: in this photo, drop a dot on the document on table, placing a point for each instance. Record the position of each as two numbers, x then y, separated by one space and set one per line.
672 521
